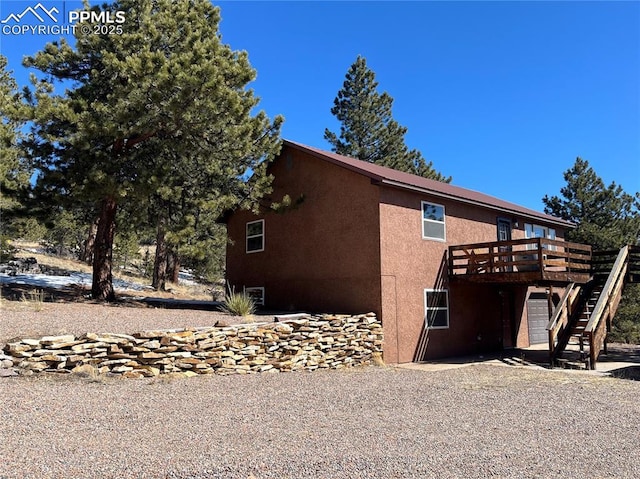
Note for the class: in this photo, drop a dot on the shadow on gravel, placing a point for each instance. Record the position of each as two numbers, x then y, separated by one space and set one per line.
629 372
182 304
71 293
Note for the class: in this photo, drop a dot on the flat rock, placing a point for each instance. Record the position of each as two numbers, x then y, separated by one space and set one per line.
67 338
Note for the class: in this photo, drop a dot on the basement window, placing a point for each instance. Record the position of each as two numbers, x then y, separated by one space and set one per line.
436 308
433 226
255 236
256 293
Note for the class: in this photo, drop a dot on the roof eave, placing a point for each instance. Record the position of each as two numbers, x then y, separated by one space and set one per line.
515 212
346 166
378 179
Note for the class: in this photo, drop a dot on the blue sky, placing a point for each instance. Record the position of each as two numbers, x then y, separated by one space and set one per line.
503 96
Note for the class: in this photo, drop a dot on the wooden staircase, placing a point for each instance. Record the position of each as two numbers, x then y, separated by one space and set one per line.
577 331
579 325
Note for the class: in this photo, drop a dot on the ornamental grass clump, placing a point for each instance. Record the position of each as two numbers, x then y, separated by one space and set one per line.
238 304
35 299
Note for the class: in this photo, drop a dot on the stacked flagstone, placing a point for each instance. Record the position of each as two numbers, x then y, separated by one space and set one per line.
6 366
308 343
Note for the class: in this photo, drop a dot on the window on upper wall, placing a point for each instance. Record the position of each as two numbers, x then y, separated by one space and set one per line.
255 236
436 308
537 231
433 226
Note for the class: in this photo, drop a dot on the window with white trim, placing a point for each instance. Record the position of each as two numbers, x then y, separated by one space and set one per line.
255 236
537 231
433 225
436 308
256 293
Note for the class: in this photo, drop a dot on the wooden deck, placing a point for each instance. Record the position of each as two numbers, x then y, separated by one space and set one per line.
535 260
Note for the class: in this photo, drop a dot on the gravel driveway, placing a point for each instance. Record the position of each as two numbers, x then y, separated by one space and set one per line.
474 422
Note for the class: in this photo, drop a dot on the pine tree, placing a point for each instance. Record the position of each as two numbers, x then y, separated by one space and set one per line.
154 99
14 172
606 217
368 131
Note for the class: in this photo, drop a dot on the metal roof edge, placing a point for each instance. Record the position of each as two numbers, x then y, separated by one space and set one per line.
317 153
514 211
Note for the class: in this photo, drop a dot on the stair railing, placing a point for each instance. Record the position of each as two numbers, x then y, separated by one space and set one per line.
596 330
559 322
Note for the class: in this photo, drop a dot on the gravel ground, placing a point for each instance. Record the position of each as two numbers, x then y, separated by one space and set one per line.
22 319
474 422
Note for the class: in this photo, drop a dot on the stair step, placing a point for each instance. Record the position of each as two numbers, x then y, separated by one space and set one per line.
516 362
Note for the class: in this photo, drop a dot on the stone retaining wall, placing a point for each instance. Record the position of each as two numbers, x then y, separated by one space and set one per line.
308 343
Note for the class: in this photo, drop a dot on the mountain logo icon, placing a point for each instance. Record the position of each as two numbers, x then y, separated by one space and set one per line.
39 11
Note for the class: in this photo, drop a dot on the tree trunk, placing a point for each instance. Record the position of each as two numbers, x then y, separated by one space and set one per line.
86 254
160 263
102 286
173 267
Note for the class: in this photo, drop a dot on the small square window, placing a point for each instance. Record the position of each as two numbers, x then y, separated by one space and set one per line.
257 294
255 236
433 223
436 308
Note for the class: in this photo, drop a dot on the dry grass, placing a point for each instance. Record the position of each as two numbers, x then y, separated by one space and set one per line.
197 292
34 299
53 262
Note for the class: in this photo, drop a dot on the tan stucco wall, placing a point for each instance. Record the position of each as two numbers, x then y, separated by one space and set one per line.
323 255
478 317
353 246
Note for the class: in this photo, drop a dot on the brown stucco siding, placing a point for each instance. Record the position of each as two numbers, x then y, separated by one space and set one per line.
323 255
479 318
355 245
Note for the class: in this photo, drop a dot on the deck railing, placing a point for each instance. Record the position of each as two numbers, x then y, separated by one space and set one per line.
520 256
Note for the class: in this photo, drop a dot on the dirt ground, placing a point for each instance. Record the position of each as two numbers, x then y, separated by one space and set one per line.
70 311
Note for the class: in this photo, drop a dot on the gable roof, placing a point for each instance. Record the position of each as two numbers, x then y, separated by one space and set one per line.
399 179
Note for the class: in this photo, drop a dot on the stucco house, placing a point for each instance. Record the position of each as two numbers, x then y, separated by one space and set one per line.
448 270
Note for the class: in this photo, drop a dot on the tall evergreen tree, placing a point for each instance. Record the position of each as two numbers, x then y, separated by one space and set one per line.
148 101
606 216
14 172
368 131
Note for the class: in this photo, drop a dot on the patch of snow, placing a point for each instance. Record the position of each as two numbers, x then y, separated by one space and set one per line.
60 282
186 277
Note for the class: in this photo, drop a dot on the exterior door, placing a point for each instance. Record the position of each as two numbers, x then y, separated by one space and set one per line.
538 318
504 234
